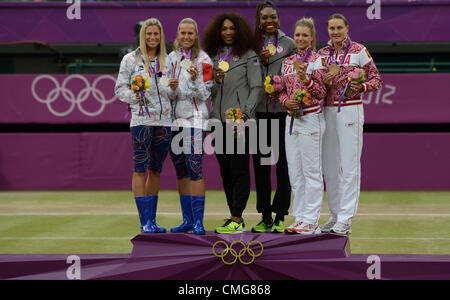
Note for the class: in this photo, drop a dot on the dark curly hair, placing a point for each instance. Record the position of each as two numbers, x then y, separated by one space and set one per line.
212 39
259 7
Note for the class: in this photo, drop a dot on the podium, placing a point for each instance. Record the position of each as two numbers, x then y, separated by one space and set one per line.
181 256
247 256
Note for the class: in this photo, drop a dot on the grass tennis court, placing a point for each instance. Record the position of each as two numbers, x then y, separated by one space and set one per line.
104 221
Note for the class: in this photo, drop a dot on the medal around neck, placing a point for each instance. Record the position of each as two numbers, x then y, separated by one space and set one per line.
223 65
186 64
334 69
272 49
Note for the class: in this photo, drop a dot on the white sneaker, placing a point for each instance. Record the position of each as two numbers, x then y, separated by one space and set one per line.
326 228
292 228
305 228
341 228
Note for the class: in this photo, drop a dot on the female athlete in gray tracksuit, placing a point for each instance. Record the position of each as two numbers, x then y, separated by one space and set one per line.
227 39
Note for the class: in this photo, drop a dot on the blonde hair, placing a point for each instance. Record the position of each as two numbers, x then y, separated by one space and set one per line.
196 46
338 16
160 52
308 23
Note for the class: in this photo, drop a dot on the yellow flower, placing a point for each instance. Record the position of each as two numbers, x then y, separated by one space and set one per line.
267 80
270 89
147 85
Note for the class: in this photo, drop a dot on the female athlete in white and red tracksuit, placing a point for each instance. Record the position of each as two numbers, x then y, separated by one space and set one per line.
342 143
303 135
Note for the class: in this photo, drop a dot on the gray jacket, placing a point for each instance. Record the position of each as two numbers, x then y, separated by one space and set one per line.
242 86
285 48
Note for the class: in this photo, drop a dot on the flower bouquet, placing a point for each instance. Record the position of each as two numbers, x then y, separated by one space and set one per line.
234 116
358 75
302 98
139 85
273 84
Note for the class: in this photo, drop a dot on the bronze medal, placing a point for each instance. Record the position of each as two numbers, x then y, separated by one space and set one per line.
298 65
334 69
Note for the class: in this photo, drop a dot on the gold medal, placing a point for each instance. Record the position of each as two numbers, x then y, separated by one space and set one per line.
334 69
272 49
224 66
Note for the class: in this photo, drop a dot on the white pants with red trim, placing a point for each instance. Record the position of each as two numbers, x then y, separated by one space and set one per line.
342 147
303 154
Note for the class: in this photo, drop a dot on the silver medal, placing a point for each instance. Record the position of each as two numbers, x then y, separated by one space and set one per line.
186 64
164 81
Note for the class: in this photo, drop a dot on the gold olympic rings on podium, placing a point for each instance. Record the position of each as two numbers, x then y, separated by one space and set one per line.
237 255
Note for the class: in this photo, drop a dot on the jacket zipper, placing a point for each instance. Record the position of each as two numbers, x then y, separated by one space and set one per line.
159 97
221 95
196 108
267 72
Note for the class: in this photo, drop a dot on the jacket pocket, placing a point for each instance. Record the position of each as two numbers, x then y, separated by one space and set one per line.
242 96
238 99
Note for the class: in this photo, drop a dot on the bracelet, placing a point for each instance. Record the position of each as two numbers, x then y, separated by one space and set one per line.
306 80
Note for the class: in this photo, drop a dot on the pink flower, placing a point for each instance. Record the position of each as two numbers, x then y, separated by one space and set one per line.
358 75
355 74
277 86
276 79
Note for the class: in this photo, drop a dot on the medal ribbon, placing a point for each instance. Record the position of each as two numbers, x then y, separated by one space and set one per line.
142 99
227 55
341 95
186 55
275 41
156 70
333 61
308 52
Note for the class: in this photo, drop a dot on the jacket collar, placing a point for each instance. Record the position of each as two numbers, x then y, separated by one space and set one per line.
303 51
280 34
343 42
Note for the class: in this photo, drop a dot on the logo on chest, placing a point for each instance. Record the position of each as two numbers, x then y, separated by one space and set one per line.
290 70
347 60
280 49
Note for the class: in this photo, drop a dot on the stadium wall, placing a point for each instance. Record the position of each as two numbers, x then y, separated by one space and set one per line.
54 159
113 22
102 161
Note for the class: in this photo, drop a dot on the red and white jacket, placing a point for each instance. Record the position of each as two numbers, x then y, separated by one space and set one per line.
292 82
357 57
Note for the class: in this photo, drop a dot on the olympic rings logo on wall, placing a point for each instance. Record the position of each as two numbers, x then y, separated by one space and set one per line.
236 253
69 96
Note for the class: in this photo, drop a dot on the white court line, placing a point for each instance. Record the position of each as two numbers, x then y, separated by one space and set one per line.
207 214
129 238
38 238
399 238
